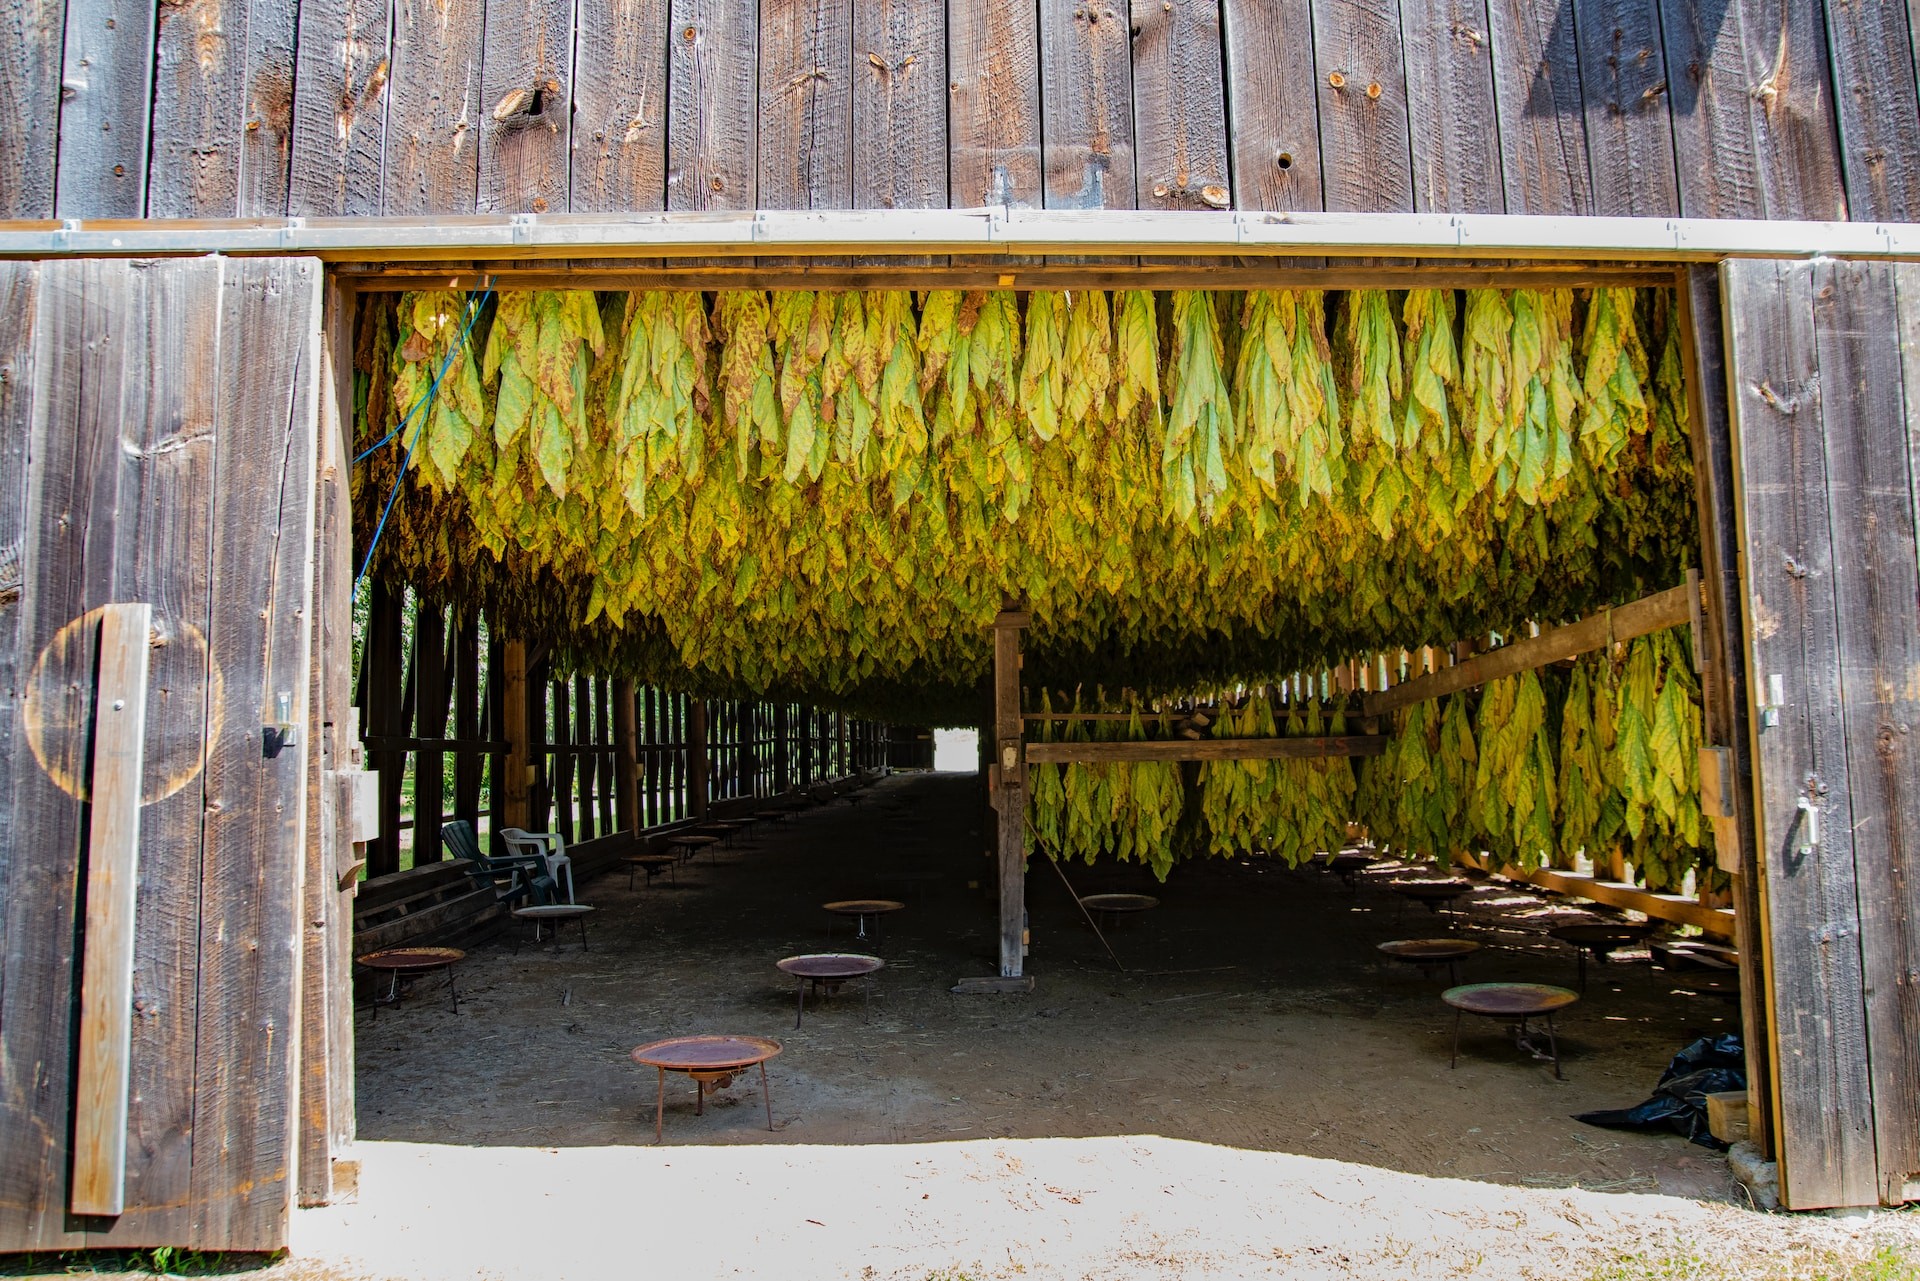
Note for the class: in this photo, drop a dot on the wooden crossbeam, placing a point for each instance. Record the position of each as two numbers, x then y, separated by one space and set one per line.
1209 749
1642 617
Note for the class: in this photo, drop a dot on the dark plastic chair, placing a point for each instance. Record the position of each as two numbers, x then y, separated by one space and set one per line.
526 875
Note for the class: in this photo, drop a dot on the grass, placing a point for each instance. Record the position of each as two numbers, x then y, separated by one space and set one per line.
160 1261
1887 1263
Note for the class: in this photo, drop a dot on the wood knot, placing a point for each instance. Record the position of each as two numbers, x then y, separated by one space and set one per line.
1373 90
1337 80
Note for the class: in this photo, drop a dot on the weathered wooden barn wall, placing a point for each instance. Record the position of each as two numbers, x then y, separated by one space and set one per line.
157 444
1824 379
1709 108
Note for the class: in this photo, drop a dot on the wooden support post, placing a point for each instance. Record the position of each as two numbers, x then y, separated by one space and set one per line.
103 1066
697 757
782 746
385 677
560 776
1010 791
606 759
466 722
586 733
1723 682
512 801
626 760
430 701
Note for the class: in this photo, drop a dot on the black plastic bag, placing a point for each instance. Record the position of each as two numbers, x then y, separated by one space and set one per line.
1710 1065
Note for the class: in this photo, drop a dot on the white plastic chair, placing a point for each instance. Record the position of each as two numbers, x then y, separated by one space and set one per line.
544 845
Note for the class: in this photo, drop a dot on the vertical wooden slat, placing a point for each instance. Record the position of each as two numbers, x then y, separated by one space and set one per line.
386 678
222 124
466 721
103 1066
586 732
899 105
340 108
433 108
539 733
698 779
430 721
525 106
1086 94
712 56
1865 420
1456 154
806 104
69 489
107 92
512 804
253 840
1010 794
626 758
1536 89
1623 83
1752 110
560 786
326 977
607 759
30 43
1179 106
1878 106
1365 152
1823 1130
993 112
620 106
1275 116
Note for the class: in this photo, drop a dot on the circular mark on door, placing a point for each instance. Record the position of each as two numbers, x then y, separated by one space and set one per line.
185 705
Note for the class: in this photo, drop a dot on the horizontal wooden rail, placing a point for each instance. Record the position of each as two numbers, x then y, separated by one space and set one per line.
1677 908
1208 749
1638 618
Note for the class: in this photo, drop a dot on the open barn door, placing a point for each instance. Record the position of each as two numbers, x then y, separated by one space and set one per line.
157 446
1825 417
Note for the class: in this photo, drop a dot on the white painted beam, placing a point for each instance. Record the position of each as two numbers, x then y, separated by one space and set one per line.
1271 236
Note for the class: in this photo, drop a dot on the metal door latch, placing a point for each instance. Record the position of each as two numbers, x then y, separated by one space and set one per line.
1809 825
1776 699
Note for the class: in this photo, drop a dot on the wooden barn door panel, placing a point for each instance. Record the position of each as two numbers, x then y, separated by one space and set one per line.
156 445
1814 367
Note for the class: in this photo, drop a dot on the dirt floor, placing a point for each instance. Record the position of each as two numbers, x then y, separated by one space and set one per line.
1254 1013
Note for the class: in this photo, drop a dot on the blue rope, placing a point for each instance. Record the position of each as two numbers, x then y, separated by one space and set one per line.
433 389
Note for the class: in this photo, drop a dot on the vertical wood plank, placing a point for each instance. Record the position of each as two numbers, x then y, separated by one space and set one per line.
1179 106
1724 684
30 44
526 84
1865 418
993 111
712 57
1824 1130
586 732
540 784
19 316
1086 94
607 758
433 110
326 974
222 121
620 106
1456 156
806 104
1275 116
1878 106
698 784
430 720
899 105
1754 131
340 108
512 804
1365 150
253 841
561 788
1536 89
385 670
467 764
106 93
1623 83
626 759
103 1065
1010 795
66 562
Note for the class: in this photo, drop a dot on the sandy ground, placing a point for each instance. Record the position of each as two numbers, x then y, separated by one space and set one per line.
1259 1094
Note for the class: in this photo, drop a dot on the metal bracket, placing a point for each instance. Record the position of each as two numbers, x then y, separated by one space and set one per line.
1807 824
1775 700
